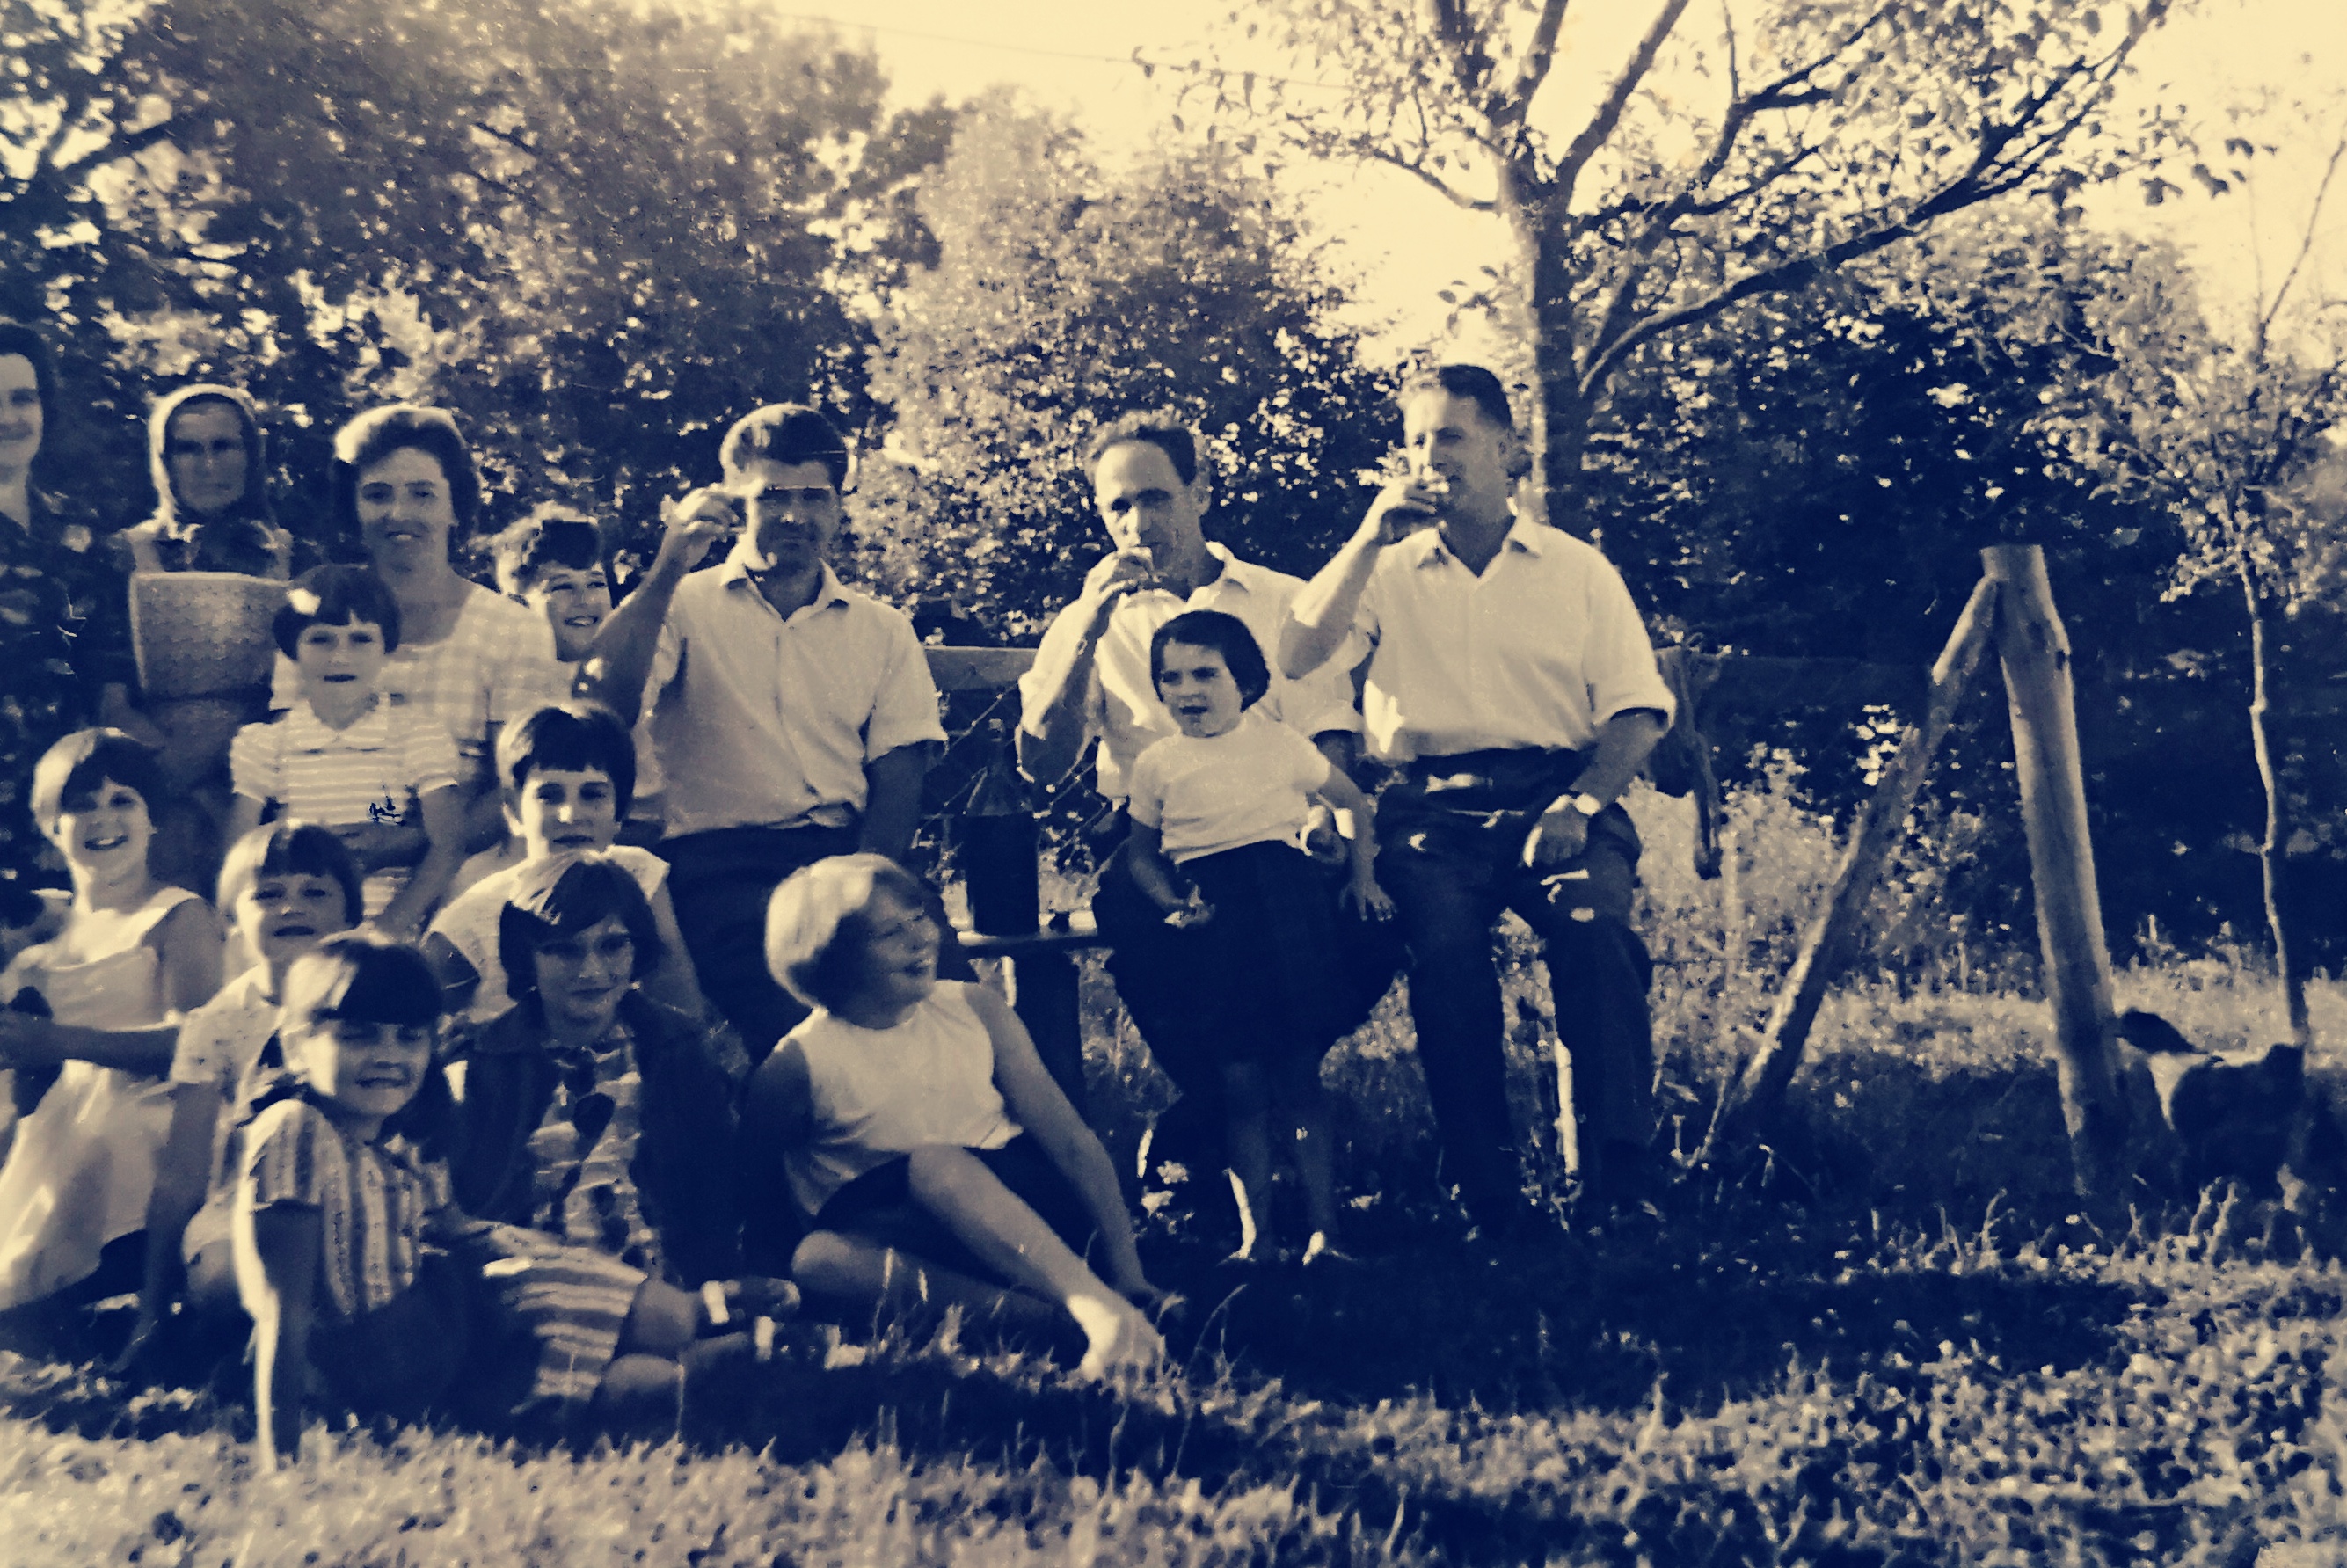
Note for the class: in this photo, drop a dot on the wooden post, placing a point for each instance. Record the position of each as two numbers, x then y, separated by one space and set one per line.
1759 1089
1000 866
2035 656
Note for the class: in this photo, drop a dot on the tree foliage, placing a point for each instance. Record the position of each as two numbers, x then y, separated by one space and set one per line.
1710 167
1064 295
596 228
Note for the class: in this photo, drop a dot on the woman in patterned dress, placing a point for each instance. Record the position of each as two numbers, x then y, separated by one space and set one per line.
65 639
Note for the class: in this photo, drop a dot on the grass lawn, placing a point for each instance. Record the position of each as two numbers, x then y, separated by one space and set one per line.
1909 1347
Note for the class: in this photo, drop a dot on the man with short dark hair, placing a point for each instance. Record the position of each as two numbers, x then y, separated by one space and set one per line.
1512 682
794 718
1090 681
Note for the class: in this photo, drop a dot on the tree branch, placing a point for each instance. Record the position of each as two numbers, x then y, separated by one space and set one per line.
2305 243
120 147
1607 117
1538 58
1433 181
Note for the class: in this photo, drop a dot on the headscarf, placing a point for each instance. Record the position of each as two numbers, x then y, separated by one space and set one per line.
243 538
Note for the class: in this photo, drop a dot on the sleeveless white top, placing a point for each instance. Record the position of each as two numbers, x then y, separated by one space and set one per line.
878 1094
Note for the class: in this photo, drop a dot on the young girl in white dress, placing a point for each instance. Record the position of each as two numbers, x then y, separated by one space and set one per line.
89 1089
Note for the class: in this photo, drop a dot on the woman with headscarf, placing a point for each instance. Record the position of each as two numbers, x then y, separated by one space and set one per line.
208 456
203 646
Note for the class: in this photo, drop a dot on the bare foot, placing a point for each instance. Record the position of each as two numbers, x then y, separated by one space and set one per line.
1117 1333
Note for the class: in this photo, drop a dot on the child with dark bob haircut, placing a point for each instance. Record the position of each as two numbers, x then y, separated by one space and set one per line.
590 1111
1218 816
568 772
921 1138
343 754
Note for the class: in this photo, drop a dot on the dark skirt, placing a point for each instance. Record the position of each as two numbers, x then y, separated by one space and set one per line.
403 1359
879 1207
1282 971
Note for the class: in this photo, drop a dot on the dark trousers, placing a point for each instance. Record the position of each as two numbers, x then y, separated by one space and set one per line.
721 882
1452 833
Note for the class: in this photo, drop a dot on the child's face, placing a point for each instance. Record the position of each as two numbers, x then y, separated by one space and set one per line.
104 835
284 913
566 809
370 1069
582 975
575 603
900 951
1198 689
338 662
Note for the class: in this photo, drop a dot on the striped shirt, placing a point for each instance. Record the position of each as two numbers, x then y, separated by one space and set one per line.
376 771
496 667
373 1200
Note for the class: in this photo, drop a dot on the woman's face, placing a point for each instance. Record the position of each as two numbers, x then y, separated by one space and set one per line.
104 835
406 511
21 415
203 453
582 975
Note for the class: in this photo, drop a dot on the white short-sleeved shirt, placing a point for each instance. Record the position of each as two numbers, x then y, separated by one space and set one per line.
1252 785
1122 707
470 922
374 771
874 1094
496 667
218 1048
1538 651
766 721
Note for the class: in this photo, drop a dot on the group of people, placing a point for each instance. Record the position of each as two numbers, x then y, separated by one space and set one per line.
587 1012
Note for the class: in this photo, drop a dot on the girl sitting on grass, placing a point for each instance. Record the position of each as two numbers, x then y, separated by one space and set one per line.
341 1213
88 1020
920 1136
286 887
1226 802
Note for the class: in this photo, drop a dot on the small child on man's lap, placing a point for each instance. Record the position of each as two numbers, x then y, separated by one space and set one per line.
1218 814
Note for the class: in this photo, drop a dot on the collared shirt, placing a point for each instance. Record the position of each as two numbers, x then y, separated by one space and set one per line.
374 771
1538 651
768 721
1122 709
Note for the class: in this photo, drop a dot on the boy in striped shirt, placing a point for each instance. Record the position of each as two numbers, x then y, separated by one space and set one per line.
345 756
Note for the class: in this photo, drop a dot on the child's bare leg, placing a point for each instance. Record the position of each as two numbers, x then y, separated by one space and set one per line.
848 1268
1246 1137
1303 1104
1004 1234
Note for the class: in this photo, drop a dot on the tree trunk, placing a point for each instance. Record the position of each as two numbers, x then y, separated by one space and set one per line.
2273 862
2035 655
1758 1091
1558 417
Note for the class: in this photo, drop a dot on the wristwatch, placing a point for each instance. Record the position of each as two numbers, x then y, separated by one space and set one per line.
1587 804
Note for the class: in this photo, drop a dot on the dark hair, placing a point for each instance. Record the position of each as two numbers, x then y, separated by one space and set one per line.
1160 428
21 337
253 504
336 596
569 736
552 535
291 847
361 977
1471 382
815 929
378 433
69 773
562 895
1228 635
786 433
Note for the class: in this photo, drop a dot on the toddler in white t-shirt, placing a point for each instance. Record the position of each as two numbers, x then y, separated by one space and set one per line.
1218 814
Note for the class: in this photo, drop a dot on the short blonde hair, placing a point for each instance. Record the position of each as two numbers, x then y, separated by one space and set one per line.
815 928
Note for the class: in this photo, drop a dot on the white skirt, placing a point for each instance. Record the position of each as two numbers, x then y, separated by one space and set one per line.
79 1174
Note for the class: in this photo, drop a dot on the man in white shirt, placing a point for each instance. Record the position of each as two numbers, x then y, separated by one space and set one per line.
1512 682
1090 682
794 718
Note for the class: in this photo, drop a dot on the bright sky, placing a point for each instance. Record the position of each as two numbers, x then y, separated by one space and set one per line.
1404 243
